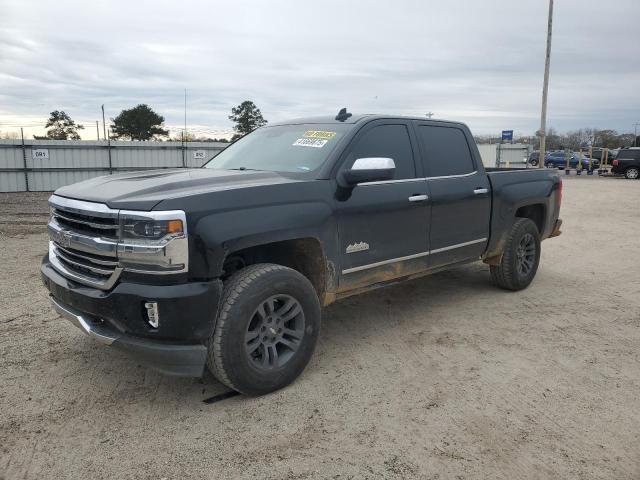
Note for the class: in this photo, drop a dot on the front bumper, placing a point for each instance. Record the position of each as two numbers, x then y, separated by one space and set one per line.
118 318
171 359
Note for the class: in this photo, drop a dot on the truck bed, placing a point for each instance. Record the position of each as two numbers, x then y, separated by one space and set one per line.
513 188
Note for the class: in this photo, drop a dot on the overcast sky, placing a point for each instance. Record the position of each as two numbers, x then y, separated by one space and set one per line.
480 62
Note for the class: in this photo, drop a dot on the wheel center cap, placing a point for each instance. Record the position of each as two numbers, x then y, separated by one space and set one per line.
272 330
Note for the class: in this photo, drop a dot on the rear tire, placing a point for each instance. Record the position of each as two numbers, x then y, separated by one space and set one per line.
520 258
632 173
267 328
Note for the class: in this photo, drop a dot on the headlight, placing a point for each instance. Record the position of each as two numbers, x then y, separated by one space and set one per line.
154 242
151 229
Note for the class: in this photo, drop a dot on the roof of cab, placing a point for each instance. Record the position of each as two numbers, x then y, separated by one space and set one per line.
324 119
356 118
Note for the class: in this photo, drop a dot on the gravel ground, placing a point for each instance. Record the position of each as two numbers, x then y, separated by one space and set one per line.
442 377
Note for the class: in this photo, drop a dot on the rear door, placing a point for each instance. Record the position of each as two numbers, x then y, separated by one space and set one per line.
383 225
460 194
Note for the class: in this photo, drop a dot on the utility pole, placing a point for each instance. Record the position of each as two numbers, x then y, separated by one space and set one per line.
24 160
545 89
97 130
184 134
429 115
104 128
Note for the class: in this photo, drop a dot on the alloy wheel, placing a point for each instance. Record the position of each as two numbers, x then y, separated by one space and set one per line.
526 254
275 332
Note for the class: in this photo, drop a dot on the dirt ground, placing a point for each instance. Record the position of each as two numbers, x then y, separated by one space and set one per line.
442 377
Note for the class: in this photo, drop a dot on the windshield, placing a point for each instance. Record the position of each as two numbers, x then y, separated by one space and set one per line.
283 148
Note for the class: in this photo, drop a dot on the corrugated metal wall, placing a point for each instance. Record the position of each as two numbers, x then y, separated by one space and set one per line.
62 162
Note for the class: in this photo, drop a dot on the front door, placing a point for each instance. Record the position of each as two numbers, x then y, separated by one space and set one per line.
460 194
383 226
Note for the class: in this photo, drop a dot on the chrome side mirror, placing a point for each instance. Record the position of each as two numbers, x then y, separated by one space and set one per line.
370 169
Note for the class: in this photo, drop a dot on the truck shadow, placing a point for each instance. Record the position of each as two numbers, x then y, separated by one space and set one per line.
388 307
382 310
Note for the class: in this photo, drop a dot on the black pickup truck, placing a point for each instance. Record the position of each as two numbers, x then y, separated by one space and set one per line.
228 265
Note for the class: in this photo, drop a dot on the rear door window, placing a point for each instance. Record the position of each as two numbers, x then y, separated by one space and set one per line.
445 151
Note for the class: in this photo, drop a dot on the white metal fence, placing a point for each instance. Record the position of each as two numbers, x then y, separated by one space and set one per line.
501 155
44 165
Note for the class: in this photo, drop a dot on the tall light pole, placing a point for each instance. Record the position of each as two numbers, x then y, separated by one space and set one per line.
545 89
104 128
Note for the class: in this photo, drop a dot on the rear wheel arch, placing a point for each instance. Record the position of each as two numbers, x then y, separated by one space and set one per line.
535 212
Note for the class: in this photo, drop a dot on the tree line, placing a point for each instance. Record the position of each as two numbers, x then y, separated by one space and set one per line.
143 123
582 138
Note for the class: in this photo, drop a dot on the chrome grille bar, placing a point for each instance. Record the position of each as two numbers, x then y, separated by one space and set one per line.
86 265
84 243
96 281
97 261
68 218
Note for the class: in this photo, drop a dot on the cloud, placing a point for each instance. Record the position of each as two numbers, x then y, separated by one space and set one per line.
479 62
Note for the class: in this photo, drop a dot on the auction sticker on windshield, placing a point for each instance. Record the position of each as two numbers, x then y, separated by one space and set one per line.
309 142
319 134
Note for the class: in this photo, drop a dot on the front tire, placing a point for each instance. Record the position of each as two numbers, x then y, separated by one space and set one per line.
632 173
267 328
520 258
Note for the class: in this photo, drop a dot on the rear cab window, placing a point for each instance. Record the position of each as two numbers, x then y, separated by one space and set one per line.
445 151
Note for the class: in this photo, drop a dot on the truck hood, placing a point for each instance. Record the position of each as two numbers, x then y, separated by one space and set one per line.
144 190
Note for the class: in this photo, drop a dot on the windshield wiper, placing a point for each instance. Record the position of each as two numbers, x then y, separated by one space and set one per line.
245 168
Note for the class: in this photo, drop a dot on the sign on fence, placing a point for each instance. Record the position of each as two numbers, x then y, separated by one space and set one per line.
40 153
199 155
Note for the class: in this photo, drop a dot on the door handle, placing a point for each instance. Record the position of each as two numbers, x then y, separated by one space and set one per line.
418 198
481 191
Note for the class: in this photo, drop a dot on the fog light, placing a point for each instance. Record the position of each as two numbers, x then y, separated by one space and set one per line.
153 317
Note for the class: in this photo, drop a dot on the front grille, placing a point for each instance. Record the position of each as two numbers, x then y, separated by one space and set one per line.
99 267
105 227
84 238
